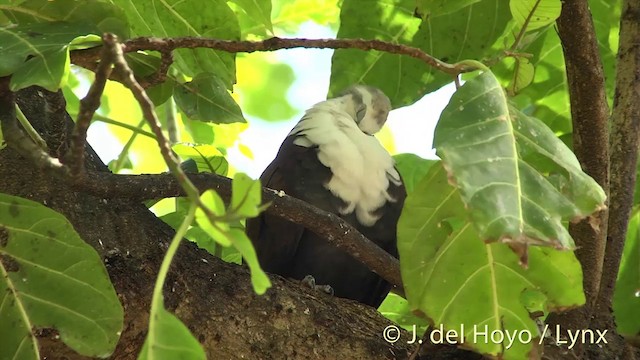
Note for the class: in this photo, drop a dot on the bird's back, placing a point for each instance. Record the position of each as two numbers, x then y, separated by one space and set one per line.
309 167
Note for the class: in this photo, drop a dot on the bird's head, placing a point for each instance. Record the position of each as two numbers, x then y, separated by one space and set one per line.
370 107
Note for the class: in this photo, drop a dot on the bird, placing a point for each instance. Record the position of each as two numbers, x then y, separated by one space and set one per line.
331 160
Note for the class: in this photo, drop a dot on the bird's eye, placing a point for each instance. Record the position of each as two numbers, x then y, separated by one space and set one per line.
360 114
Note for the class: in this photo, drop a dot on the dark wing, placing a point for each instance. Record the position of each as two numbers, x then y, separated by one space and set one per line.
290 250
297 171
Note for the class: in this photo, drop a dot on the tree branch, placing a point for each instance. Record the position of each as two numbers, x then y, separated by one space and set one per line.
89 104
236 46
589 113
625 126
338 232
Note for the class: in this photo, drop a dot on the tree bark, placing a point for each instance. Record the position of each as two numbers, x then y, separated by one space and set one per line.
213 298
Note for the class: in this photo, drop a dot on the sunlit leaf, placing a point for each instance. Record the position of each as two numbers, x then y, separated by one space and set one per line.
169 338
50 278
259 279
207 99
288 15
246 196
466 33
217 230
535 14
455 279
173 18
522 76
519 181
397 309
259 10
207 158
427 8
412 169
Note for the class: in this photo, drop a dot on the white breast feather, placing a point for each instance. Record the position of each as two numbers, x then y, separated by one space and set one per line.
361 167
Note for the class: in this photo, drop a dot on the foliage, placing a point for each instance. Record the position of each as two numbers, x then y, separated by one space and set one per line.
50 278
505 180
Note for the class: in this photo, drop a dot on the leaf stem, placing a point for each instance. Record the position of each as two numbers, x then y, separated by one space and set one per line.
125 150
33 134
157 299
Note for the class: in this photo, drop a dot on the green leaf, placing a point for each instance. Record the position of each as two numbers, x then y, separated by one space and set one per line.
464 34
397 309
49 70
259 10
626 299
207 99
455 279
259 279
288 15
258 72
48 44
171 18
412 169
50 278
207 158
519 181
105 16
535 13
427 8
522 76
218 230
170 339
246 196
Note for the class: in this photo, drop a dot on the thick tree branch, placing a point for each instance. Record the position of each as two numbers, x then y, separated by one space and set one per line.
589 113
625 126
330 226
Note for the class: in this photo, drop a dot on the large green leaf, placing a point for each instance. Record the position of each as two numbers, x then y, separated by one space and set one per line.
171 18
48 43
258 10
519 181
50 278
626 299
412 168
105 16
466 33
206 98
462 284
427 8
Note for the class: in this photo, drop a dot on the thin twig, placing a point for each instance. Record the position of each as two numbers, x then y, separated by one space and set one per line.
89 104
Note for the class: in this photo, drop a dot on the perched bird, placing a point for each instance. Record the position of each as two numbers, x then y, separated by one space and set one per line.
332 160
